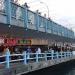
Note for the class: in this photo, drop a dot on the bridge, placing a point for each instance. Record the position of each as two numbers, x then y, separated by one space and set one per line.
18 22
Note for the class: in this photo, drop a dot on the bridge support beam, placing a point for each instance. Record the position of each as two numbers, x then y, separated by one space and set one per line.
8 11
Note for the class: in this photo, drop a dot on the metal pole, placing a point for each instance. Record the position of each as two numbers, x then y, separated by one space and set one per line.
52 54
37 58
57 55
45 56
7 58
24 57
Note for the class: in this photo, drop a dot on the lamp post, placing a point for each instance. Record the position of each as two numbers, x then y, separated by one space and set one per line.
46 7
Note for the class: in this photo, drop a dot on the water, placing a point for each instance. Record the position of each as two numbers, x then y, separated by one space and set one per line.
62 69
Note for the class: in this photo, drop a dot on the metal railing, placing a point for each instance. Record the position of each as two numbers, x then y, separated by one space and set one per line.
26 58
14 14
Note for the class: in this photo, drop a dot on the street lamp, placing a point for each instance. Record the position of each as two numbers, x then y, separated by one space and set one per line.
46 7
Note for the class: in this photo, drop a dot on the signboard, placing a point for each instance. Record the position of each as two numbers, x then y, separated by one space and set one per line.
24 42
10 41
13 41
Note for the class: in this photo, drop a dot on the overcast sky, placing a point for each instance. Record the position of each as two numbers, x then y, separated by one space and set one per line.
61 11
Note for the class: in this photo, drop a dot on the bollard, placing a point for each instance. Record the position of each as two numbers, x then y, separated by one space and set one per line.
7 58
24 57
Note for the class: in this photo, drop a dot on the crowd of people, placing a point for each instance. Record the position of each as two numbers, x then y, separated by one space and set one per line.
38 49
29 49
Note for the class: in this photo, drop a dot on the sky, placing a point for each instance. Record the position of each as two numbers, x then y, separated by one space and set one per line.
60 11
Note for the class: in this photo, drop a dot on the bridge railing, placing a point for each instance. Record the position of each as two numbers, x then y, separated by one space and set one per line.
14 14
26 58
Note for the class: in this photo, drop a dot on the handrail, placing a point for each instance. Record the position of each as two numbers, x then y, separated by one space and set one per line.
36 57
10 14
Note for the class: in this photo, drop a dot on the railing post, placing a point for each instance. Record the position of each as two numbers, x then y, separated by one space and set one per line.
7 59
45 56
61 54
57 55
68 53
71 53
65 54
24 57
37 59
52 54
